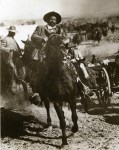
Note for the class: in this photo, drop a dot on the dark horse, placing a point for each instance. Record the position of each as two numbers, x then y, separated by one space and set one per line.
97 34
60 83
55 81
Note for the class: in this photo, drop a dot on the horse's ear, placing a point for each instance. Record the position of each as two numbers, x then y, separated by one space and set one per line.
23 41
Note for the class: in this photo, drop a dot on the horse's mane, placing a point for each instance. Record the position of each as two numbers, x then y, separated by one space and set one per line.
56 66
54 50
54 40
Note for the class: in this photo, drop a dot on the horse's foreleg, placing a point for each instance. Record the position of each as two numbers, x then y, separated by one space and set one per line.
74 115
47 106
61 117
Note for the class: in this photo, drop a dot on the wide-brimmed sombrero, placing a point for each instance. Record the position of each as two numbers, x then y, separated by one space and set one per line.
12 29
53 13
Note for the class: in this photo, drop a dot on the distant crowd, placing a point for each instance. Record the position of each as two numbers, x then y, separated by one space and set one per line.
87 30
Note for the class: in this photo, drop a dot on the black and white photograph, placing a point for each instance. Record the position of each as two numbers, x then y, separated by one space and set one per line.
59 74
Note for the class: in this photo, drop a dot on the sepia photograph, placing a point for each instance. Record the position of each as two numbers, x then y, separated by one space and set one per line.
59 74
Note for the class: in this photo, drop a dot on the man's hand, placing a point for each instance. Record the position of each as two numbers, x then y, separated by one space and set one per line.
73 60
12 65
44 40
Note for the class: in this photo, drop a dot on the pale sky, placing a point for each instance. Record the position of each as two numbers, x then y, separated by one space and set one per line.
29 9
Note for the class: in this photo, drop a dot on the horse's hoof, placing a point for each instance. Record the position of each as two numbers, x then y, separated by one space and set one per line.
74 129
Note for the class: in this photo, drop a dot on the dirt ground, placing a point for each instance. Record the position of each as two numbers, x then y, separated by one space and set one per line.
25 128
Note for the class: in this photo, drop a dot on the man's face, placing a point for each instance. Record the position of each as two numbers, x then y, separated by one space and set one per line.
12 33
52 21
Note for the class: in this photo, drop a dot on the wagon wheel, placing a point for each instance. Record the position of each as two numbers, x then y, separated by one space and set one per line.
105 87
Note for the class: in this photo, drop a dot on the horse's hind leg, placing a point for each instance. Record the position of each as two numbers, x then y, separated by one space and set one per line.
74 115
47 106
61 117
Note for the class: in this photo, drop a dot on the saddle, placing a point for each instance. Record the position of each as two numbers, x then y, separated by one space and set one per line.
72 70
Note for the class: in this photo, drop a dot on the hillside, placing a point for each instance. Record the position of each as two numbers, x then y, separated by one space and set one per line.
114 18
88 18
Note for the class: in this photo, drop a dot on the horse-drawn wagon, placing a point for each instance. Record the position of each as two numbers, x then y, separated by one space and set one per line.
113 71
103 84
107 78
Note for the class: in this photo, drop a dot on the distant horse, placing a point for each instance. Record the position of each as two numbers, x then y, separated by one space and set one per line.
56 80
77 38
104 31
97 34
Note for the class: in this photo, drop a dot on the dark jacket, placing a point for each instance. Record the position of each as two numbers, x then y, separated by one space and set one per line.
42 32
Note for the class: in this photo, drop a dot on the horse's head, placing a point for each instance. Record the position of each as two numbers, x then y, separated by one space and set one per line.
28 49
55 49
55 40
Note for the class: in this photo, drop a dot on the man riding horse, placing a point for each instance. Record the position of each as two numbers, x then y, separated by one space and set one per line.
78 60
41 35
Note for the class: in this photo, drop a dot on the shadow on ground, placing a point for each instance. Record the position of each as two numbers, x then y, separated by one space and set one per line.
110 114
23 126
112 108
14 124
112 119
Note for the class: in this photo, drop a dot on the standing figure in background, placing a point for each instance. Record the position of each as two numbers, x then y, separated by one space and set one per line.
113 28
9 46
93 61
